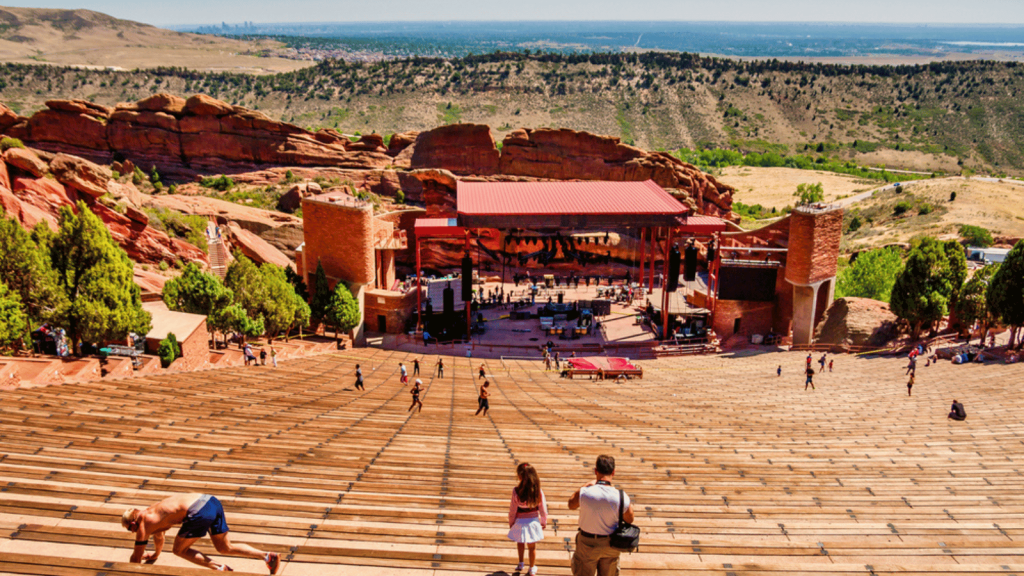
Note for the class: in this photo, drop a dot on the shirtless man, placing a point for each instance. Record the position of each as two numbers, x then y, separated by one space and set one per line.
197 514
482 402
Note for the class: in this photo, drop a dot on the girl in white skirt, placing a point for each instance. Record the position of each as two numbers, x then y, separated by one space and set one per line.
527 514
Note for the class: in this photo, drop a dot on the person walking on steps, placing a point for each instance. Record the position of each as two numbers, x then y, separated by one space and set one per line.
440 367
808 359
822 362
405 374
197 514
483 404
527 515
778 371
273 356
416 367
359 378
598 502
910 384
416 396
810 378
483 371
830 364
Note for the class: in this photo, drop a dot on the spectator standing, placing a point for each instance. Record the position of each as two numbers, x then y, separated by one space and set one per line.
405 373
440 368
527 515
830 365
822 362
263 356
598 503
810 378
910 384
273 356
416 367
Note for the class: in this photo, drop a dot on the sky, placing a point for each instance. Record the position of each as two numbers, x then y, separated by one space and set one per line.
268 11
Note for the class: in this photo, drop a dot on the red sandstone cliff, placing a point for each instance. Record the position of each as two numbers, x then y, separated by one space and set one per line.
204 136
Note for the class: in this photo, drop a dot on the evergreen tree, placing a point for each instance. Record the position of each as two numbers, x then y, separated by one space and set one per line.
1005 295
13 320
168 350
197 292
343 310
922 292
247 285
972 305
234 319
321 295
25 267
278 308
871 275
101 300
957 268
810 193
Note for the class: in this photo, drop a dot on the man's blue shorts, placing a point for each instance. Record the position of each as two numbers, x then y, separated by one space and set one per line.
205 514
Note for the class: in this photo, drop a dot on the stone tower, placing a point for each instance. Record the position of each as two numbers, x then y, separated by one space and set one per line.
814 235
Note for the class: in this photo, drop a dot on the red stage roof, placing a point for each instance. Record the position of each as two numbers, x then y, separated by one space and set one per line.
565 204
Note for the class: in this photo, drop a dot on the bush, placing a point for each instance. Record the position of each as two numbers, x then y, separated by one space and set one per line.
976 236
952 196
400 197
901 207
168 350
6 143
925 209
221 183
138 176
855 224
163 266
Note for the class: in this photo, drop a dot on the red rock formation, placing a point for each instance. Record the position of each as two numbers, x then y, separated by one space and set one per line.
460 148
401 141
144 243
255 248
8 118
80 174
292 199
25 160
857 322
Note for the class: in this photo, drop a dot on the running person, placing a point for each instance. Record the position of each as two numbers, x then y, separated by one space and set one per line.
482 402
416 396
197 514
810 378
359 378
483 371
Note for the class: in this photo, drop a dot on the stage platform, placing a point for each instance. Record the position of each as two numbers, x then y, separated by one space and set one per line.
603 367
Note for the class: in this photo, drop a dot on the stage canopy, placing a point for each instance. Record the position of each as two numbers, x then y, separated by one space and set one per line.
566 205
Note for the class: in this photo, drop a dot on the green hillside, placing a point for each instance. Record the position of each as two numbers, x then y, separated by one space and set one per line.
938 117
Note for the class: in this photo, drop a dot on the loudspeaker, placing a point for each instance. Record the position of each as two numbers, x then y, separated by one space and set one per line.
690 264
672 282
467 278
448 298
560 297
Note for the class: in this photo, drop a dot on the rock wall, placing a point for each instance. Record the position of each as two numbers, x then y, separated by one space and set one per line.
36 185
857 322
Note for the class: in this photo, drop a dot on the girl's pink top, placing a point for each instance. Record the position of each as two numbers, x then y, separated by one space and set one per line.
541 512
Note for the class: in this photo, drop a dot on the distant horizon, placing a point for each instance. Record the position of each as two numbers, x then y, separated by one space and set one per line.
466 21
867 12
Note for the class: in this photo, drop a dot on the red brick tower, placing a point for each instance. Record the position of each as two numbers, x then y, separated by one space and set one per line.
814 235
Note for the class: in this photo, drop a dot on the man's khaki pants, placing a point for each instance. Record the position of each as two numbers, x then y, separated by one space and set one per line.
594 555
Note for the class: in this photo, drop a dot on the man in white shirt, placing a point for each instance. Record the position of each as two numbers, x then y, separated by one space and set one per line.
598 503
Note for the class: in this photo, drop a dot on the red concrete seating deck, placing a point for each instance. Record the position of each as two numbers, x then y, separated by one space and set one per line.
733 471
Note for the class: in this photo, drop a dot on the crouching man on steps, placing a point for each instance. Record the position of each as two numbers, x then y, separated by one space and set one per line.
598 503
197 514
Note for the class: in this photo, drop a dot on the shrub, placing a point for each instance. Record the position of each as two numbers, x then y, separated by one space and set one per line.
952 196
976 235
221 183
400 197
115 174
925 209
901 207
6 143
168 350
855 224
163 265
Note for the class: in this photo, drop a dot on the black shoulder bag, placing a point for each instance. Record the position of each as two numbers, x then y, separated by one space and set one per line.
627 536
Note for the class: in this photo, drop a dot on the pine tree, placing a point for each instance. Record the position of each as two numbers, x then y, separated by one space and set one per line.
973 305
13 320
101 300
321 295
25 267
922 292
198 292
1005 295
247 285
278 308
343 310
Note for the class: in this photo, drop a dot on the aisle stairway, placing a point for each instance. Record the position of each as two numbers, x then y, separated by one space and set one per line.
733 470
217 251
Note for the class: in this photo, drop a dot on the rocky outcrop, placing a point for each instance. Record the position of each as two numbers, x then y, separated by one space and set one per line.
255 248
291 200
44 183
460 148
856 322
571 155
187 137
282 231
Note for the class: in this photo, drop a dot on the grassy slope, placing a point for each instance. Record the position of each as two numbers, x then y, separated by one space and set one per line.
924 118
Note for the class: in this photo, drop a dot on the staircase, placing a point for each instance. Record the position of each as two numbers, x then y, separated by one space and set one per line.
217 252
